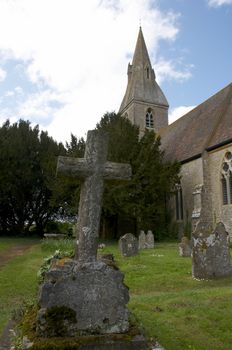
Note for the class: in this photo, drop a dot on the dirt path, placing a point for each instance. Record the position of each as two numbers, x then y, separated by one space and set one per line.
13 252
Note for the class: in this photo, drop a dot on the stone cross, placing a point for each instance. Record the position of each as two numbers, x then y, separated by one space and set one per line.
93 169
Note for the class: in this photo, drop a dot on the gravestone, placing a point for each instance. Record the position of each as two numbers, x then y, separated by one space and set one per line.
184 247
150 243
211 255
142 240
128 245
86 295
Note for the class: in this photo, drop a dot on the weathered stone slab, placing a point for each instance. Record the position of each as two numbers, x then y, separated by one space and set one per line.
211 255
133 340
150 242
142 240
128 245
185 247
82 299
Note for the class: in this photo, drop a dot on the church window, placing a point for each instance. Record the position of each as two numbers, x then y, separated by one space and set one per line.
226 179
149 119
148 72
228 156
224 191
179 203
230 184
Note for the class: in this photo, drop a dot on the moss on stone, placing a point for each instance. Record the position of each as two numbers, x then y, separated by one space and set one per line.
57 318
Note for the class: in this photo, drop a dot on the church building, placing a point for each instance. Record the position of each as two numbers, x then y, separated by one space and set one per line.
201 141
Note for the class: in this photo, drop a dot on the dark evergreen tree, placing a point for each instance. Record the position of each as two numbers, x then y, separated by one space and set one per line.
66 191
142 201
28 169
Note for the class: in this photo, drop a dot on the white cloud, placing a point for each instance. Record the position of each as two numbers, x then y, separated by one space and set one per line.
2 75
169 70
178 112
79 51
217 3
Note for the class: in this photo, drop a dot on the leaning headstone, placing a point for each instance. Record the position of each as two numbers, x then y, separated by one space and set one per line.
86 295
142 240
128 245
211 255
185 247
150 243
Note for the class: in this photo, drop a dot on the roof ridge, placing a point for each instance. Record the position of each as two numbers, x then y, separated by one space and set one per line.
221 116
198 106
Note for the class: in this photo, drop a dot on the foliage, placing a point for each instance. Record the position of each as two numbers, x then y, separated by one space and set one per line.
62 245
48 261
67 189
27 178
143 199
55 226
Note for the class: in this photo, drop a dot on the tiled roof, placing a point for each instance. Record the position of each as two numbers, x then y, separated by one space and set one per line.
206 126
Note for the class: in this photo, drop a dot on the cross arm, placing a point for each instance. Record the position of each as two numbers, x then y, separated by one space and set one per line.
117 171
71 166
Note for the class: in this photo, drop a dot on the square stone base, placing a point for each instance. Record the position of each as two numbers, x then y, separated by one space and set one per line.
96 342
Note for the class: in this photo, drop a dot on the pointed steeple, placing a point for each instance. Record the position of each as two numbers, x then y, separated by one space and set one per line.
143 94
141 57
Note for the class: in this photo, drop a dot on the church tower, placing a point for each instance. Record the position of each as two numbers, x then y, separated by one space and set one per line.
144 103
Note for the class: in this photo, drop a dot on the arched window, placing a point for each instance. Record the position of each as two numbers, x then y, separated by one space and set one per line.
149 119
226 179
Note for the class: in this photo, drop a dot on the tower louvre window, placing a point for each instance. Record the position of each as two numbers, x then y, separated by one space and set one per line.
149 119
226 179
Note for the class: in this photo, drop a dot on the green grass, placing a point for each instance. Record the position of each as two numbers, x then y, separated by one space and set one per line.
181 313
18 279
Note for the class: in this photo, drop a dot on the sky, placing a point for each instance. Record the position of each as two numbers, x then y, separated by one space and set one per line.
63 63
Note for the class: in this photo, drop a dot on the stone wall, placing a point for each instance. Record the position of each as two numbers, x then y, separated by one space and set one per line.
192 176
220 212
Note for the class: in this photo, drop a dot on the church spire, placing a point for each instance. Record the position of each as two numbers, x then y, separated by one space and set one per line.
141 58
144 102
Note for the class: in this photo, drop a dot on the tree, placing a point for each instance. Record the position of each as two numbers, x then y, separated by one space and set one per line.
28 169
142 200
66 190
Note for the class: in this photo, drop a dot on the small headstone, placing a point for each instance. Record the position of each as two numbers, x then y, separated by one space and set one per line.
128 245
185 247
211 255
142 240
150 243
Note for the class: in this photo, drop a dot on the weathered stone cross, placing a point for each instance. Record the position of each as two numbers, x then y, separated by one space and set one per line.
93 169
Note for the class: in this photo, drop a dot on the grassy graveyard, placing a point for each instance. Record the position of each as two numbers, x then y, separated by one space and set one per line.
181 313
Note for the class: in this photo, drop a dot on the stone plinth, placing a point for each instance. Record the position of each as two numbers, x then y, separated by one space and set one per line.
126 341
78 299
211 255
